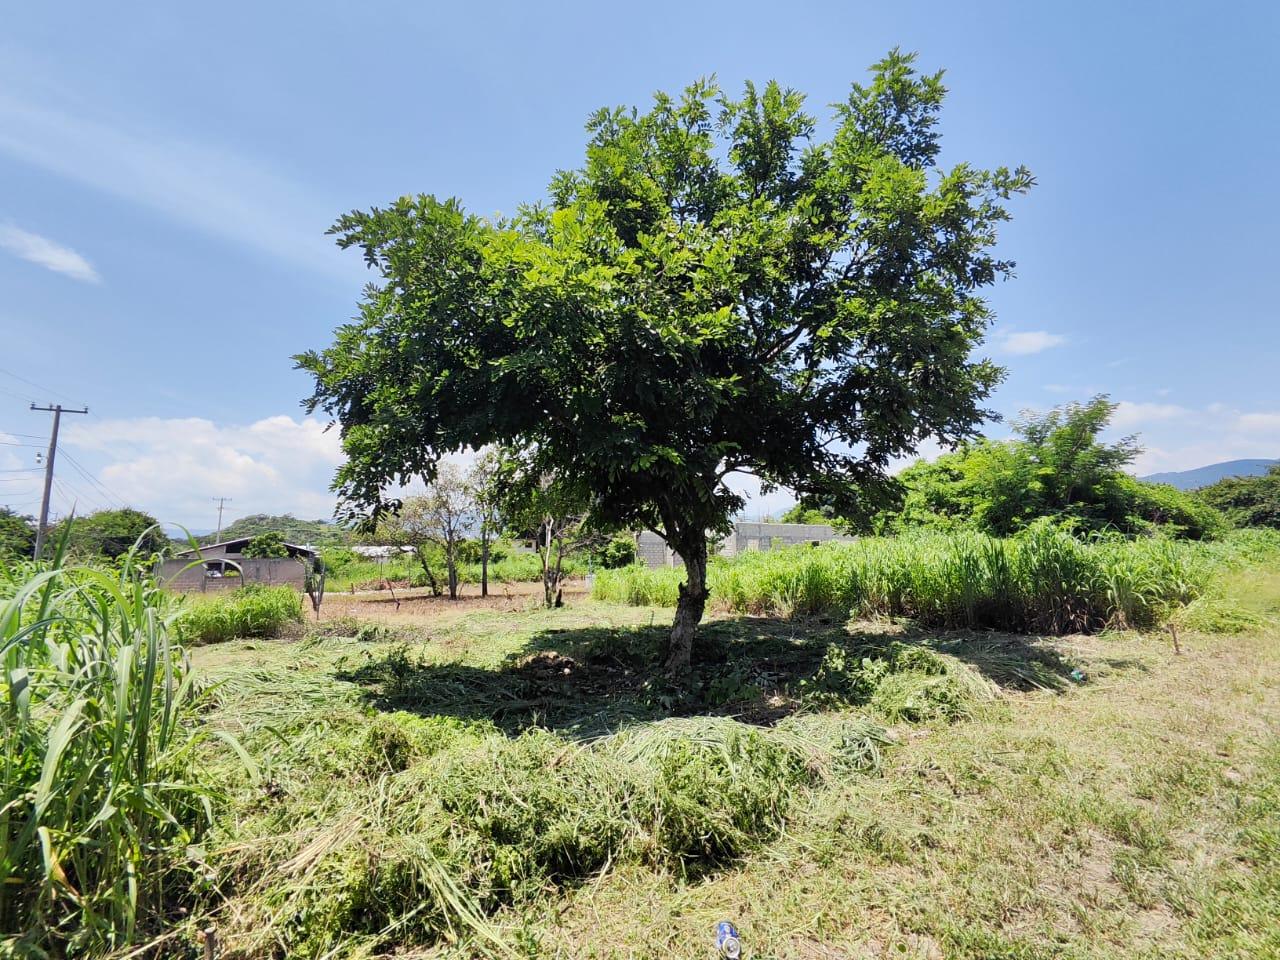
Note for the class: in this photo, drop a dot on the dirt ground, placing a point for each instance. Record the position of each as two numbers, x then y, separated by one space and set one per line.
418 606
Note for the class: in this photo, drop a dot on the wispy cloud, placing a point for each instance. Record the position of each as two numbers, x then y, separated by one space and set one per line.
1260 423
202 186
46 253
1024 342
1129 414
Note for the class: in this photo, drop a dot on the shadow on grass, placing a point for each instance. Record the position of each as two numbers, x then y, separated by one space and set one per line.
589 681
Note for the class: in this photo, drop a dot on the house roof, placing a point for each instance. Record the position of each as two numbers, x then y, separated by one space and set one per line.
238 544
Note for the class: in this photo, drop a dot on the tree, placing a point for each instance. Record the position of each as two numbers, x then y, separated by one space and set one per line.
485 482
17 534
803 513
1057 465
551 511
110 533
267 545
442 517
1247 501
714 291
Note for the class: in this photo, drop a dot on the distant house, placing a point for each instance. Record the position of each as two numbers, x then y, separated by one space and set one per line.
746 536
223 566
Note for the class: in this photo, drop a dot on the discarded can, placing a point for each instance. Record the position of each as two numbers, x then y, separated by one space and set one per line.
727 942
1078 675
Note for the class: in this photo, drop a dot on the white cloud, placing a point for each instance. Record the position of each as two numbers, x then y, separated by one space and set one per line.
1259 422
1129 414
1196 438
173 467
203 186
1022 343
46 253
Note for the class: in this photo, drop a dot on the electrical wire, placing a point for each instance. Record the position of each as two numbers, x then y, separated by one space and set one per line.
79 468
32 383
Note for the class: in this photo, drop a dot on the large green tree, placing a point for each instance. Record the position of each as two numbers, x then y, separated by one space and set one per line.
715 289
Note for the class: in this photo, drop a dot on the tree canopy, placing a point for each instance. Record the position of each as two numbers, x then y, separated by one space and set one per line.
267 545
715 289
110 533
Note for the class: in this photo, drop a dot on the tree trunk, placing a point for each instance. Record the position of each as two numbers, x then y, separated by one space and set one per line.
690 606
548 578
451 563
426 568
484 560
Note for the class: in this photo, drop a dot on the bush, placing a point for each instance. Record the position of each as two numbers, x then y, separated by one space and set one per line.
620 551
254 610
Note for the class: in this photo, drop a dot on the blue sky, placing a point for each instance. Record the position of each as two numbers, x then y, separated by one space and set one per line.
167 173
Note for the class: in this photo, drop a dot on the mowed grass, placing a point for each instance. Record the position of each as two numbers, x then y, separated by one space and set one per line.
523 783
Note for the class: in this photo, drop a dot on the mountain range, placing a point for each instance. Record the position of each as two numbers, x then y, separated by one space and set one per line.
1203 476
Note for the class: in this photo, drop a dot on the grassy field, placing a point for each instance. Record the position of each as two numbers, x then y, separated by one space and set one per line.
414 777
465 779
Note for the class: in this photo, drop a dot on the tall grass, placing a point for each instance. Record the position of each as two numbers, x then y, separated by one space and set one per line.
97 798
1043 580
251 611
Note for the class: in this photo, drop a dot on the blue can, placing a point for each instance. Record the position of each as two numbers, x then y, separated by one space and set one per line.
727 941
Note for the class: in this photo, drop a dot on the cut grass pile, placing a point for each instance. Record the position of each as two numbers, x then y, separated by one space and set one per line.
1041 581
250 611
398 828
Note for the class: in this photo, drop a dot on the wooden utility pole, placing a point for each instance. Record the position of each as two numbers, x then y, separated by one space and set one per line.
217 537
57 410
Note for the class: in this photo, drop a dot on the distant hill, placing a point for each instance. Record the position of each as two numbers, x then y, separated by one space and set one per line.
1203 476
321 533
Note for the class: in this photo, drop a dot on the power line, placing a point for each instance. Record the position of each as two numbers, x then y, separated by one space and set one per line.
32 383
79 468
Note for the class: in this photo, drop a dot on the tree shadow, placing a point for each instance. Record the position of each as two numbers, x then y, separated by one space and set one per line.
586 682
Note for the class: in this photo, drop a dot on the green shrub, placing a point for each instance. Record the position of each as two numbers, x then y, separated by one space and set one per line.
254 610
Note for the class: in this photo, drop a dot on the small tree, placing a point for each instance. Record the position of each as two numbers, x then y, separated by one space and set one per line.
267 546
550 511
486 482
441 517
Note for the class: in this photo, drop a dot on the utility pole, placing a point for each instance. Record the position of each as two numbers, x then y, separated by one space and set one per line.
57 410
221 501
